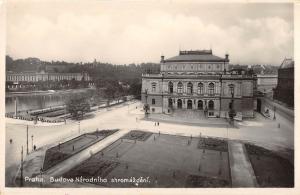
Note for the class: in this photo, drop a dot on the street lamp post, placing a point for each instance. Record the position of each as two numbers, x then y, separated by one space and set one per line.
32 142
146 107
21 184
27 149
232 112
79 127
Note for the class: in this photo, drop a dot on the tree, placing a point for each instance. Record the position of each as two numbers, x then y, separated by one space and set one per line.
135 89
110 91
74 84
78 106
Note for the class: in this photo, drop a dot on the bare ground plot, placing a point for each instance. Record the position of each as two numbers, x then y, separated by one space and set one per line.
163 160
137 135
64 150
213 144
271 170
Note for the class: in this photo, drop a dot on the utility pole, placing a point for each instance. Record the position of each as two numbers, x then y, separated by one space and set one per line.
27 140
21 168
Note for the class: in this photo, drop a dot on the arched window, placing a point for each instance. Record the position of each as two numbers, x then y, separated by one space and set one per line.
211 89
189 88
179 87
200 105
153 87
179 103
231 89
170 87
200 88
211 105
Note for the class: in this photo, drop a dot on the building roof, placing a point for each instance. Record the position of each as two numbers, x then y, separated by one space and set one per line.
196 56
287 63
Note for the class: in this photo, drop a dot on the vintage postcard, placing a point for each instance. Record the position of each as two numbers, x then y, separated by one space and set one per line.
148 95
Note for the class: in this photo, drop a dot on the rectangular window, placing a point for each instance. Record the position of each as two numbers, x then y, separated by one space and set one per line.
153 101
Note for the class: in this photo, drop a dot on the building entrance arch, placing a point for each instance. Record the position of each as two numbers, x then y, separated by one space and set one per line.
189 104
200 105
179 104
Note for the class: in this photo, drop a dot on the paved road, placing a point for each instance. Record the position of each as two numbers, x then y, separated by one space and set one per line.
287 113
242 174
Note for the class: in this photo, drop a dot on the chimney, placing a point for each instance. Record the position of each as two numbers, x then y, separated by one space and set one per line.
226 57
162 59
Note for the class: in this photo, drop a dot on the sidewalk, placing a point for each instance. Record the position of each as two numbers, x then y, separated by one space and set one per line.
25 122
242 174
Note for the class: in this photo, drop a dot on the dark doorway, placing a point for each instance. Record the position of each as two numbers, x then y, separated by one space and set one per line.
189 104
179 104
170 102
258 106
200 105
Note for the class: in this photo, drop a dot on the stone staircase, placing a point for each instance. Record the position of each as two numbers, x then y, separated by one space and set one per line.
189 114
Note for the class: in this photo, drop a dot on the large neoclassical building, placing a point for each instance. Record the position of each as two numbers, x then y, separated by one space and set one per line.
199 81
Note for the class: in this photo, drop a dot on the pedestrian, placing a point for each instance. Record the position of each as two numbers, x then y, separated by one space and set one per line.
34 147
157 123
10 141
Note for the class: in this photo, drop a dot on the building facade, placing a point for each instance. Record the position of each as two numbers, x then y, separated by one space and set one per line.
284 90
199 81
44 76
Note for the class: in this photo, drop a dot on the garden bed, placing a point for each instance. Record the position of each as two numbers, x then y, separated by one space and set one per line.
137 135
271 170
65 150
92 168
213 144
196 181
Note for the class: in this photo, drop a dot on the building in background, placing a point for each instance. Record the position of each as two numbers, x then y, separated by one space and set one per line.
199 81
266 82
44 76
284 91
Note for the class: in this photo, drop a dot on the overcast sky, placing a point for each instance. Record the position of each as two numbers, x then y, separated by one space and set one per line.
126 32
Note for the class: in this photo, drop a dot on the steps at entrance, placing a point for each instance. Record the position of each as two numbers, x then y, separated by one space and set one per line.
189 114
